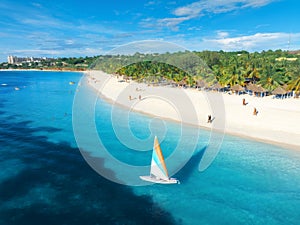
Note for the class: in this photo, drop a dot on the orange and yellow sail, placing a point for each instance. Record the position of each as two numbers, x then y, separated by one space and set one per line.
158 165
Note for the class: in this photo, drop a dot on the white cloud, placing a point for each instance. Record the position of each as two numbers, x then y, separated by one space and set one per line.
255 42
35 4
222 34
217 6
172 23
257 3
261 25
150 3
204 7
69 42
187 10
195 28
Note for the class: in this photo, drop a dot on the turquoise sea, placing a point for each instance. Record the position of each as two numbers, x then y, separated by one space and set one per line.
44 178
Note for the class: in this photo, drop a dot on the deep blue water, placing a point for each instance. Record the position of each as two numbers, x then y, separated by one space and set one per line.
44 178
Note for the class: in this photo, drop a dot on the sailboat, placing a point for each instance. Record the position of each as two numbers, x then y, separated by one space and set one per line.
158 173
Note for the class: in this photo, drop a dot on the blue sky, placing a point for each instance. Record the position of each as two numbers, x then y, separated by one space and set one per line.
60 28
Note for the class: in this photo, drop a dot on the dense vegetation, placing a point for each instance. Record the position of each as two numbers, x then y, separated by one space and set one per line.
269 69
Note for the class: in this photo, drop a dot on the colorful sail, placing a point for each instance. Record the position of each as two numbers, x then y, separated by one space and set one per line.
158 172
158 165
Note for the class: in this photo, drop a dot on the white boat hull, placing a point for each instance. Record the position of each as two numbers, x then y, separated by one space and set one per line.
159 181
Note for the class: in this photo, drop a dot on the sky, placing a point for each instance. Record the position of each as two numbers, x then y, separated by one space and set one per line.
72 28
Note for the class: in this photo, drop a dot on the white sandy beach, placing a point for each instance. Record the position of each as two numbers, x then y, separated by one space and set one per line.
277 120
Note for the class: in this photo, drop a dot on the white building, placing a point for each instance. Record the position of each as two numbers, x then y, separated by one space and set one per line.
18 60
11 59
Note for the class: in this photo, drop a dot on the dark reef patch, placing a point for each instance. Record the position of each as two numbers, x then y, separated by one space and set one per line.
74 193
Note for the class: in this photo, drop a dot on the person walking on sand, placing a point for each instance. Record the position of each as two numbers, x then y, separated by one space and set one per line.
209 119
255 112
129 97
140 97
244 102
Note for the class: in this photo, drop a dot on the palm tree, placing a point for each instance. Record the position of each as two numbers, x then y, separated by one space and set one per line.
295 84
253 73
269 83
233 75
268 80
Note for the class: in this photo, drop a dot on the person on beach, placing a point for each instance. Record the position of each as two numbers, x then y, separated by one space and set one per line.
129 97
255 112
140 97
209 119
244 102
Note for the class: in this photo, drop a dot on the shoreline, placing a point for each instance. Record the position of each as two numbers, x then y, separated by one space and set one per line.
206 128
45 70
265 127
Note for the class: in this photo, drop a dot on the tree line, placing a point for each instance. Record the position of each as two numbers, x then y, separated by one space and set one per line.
270 69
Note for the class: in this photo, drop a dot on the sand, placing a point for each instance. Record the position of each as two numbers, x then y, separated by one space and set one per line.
277 121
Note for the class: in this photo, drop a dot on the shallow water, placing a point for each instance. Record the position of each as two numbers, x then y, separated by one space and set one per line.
45 180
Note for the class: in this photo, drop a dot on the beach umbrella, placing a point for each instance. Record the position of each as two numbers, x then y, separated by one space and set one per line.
279 91
256 89
288 90
216 86
251 87
182 83
261 90
201 84
237 88
286 87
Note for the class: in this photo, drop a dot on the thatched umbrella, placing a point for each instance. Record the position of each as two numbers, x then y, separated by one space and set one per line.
279 91
182 83
173 83
237 88
251 87
259 89
286 87
288 90
217 86
256 89
201 84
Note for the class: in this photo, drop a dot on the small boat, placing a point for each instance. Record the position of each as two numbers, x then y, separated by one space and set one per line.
159 173
71 82
17 89
4 84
